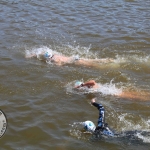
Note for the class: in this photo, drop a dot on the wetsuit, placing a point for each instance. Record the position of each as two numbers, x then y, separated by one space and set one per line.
101 125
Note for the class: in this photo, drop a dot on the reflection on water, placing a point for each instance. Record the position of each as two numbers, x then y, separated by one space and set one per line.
38 98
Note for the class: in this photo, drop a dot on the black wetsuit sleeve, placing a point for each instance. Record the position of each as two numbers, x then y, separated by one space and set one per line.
101 118
96 105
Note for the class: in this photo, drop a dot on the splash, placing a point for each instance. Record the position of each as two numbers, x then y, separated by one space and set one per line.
77 130
144 138
109 89
74 50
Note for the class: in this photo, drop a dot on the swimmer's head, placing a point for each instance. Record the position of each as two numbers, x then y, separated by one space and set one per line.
48 55
89 126
78 83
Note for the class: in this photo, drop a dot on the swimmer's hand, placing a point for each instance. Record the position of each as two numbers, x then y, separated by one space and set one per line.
93 100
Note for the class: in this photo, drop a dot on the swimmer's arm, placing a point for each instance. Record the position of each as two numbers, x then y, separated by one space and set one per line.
89 83
98 106
101 117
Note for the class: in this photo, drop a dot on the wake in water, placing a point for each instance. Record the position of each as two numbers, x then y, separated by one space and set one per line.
135 63
133 58
132 130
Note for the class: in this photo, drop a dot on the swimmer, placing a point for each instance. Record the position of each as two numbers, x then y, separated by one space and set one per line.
102 127
88 84
91 84
59 59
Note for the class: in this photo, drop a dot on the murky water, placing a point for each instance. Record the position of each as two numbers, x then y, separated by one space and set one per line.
42 110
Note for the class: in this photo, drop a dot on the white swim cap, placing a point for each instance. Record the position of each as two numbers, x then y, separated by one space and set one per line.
78 83
89 126
48 55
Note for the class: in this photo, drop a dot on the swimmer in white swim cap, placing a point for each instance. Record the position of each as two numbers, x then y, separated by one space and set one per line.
89 126
78 84
102 127
60 59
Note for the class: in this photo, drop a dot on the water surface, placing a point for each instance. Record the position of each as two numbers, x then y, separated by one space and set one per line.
41 113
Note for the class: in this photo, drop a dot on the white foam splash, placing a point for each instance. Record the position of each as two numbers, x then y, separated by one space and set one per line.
79 50
77 130
145 139
37 52
109 89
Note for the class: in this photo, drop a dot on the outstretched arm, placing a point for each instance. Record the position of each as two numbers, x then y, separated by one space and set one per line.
101 119
102 127
89 83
